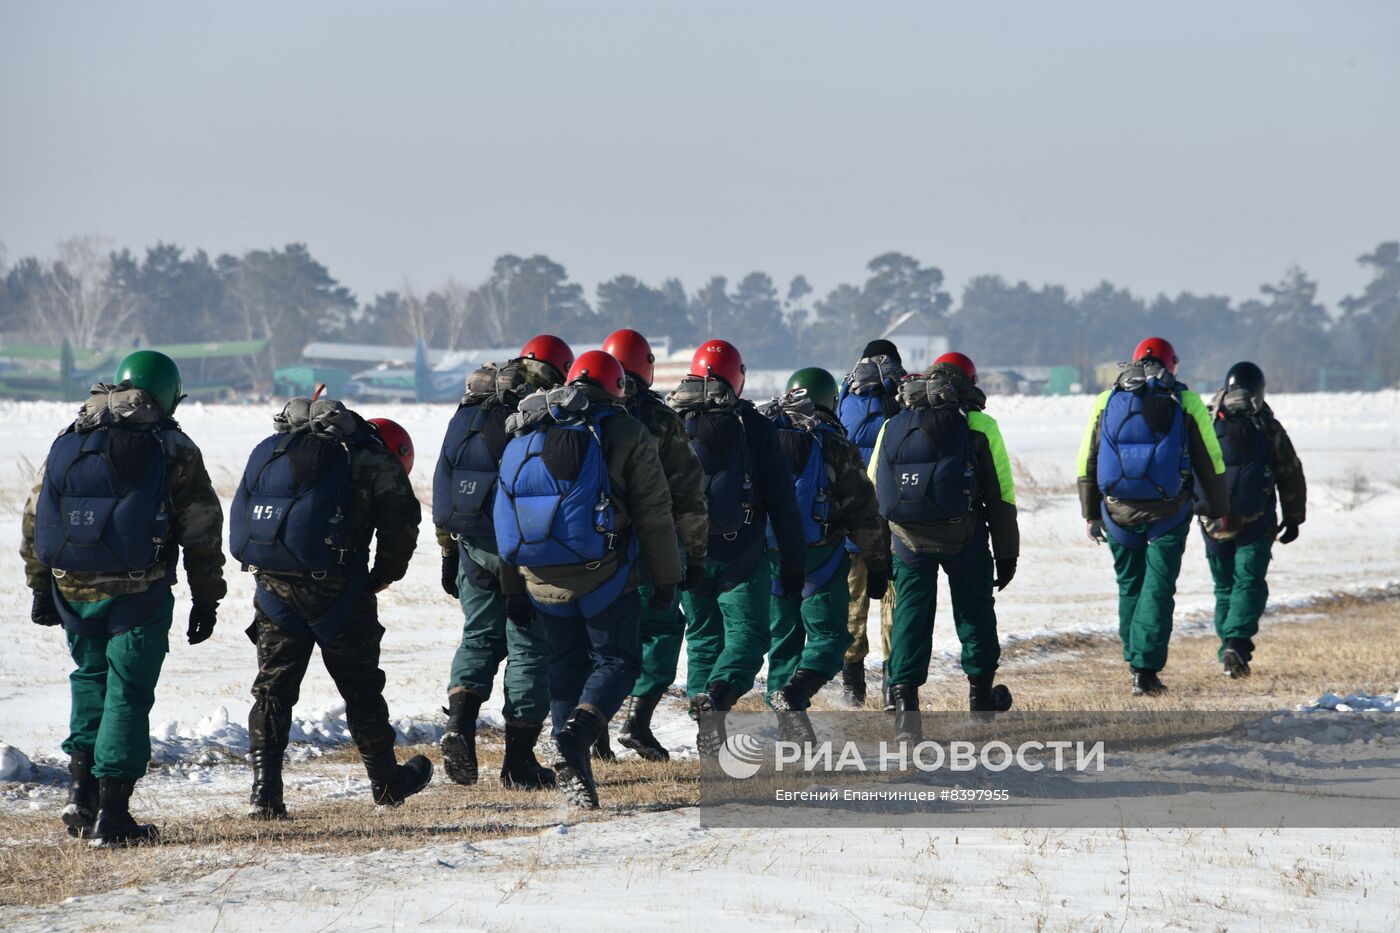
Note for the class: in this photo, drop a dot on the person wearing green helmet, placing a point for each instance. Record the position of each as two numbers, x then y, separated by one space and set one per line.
836 502
122 496
157 374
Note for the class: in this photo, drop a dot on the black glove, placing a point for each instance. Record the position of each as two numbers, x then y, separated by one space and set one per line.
1006 569
694 575
663 597
519 610
792 582
44 612
450 564
201 622
1290 534
877 581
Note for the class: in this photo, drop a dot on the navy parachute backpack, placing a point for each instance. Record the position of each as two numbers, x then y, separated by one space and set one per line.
1249 470
1143 451
722 447
464 483
104 506
925 473
288 514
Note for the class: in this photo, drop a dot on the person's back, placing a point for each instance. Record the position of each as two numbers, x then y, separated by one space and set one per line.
1262 472
121 494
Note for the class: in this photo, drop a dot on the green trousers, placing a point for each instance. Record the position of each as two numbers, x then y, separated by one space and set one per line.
974 619
114 688
1147 596
810 634
488 638
727 635
662 634
1241 589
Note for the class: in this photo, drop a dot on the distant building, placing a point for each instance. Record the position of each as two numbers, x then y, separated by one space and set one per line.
920 340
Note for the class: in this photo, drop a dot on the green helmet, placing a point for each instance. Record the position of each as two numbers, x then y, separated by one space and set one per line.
819 383
156 373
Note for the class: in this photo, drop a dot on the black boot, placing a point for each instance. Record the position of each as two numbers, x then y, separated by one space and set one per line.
521 770
81 811
572 769
885 686
983 697
265 802
796 695
636 731
392 783
907 725
796 727
1146 683
458 741
602 749
1235 658
709 708
853 683
114 825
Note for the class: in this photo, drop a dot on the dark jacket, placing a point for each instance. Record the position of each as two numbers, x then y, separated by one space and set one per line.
683 473
642 497
197 518
1286 468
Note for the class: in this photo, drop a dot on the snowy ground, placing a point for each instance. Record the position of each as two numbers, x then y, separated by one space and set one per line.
664 862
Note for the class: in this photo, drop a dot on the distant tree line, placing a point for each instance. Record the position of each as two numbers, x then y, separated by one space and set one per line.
95 296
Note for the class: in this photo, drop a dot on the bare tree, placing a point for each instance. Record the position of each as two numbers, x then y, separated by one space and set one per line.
77 302
489 312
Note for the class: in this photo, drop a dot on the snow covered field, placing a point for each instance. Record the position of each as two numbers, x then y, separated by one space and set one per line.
663 863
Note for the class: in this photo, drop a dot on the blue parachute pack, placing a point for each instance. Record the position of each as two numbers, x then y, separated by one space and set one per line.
554 507
805 451
1144 453
867 401
104 505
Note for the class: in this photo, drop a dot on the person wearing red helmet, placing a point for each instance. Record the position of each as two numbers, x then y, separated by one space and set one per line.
747 486
1148 450
582 506
317 575
464 484
396 439
662 630
940 523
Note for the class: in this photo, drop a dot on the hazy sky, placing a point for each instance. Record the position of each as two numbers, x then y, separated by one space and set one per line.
1189 145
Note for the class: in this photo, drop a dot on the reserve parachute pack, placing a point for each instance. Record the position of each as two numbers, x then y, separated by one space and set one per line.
104 504
1144 454
925 474
714 426
800 433
868 400
288 515
1249 471
464 481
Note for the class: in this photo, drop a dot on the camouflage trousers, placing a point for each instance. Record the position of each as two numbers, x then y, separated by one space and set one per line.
856 621
352 660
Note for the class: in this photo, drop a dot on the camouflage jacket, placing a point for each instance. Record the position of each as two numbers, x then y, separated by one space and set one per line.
855 512
1289 481
197 519
382 507
683 473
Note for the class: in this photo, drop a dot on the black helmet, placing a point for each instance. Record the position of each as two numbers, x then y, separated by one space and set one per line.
1245 376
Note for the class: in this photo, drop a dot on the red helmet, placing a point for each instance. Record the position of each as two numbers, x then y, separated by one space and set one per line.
721 359
396 439
631 349
1156 348
601 368
548 348
961 361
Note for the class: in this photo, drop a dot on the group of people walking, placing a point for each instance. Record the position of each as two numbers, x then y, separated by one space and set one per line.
591 529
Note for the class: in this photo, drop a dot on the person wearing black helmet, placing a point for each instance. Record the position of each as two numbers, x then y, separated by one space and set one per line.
1264 474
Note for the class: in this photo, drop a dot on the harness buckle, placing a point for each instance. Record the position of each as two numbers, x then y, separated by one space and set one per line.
136 574
318 574
592 565
610 540
730 536
748 515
